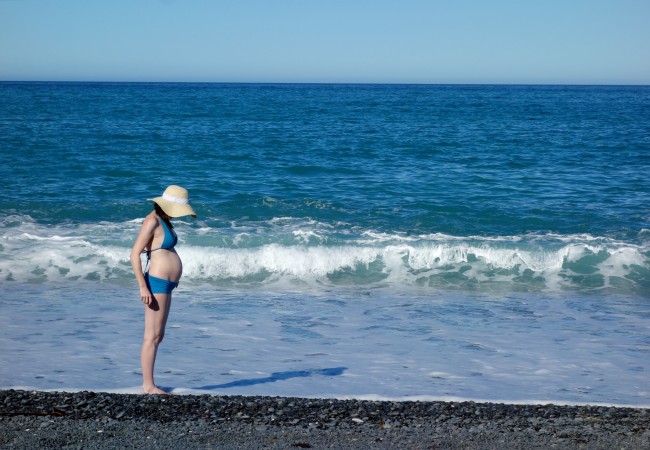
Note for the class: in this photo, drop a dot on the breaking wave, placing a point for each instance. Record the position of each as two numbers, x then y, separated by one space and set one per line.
303 252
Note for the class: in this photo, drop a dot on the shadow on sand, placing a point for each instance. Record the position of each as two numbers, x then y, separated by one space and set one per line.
277 376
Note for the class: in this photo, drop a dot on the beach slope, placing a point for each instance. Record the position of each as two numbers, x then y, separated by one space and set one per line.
89 420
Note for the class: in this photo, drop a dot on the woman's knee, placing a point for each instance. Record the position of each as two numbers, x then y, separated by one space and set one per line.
154 338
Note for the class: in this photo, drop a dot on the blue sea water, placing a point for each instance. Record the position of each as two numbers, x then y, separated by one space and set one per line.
398 241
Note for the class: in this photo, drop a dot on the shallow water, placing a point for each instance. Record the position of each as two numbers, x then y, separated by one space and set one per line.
372 344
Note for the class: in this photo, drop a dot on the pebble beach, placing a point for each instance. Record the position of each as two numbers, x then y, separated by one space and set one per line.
96 420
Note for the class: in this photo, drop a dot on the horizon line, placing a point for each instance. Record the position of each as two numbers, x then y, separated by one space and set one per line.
361 83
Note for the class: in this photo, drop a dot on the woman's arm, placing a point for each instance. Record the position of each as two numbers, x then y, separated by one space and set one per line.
144 237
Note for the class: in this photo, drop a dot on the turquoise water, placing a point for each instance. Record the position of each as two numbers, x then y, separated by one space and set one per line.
504 201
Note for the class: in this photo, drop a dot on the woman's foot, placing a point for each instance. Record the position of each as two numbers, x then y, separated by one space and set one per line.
153 390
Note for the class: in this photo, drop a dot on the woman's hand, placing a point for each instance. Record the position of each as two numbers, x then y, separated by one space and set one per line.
145 295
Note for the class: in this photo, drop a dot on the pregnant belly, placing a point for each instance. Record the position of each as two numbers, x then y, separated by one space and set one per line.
166 264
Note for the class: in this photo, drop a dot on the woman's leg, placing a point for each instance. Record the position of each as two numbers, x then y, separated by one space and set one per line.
155 319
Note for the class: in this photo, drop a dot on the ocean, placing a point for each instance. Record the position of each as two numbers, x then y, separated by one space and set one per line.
352 241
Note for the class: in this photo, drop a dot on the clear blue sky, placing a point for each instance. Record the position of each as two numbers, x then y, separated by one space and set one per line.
372 41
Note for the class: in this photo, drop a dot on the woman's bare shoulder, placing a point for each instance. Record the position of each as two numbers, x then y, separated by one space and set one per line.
151 221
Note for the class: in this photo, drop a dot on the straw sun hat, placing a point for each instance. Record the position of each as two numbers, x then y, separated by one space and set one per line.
175 201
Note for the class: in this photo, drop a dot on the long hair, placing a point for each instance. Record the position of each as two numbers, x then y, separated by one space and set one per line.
162 215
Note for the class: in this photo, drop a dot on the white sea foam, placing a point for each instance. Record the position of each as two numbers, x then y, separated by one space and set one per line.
312 252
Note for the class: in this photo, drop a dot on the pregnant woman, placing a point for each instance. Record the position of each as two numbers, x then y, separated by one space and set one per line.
157 239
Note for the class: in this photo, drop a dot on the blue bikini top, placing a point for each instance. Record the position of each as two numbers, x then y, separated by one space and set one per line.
169 240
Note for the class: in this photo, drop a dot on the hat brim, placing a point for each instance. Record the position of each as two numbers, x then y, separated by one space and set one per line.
173 209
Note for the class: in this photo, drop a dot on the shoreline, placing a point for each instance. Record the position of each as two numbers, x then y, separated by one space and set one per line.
107 420
180 391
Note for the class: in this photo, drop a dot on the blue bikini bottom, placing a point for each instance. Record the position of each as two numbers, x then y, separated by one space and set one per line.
158 285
